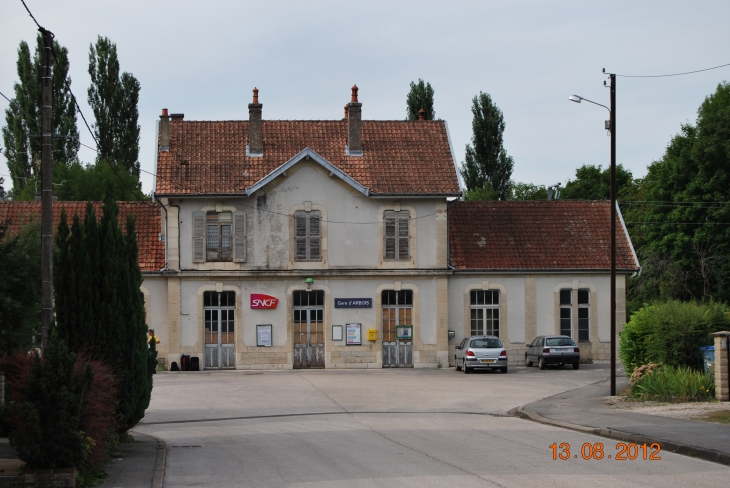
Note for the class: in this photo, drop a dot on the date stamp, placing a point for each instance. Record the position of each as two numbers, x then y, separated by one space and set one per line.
624 451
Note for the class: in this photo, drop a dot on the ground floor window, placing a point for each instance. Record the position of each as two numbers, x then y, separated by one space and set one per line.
580 301
484 306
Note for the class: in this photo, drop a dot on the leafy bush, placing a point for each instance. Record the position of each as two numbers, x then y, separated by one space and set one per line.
676 384
33 383
670 333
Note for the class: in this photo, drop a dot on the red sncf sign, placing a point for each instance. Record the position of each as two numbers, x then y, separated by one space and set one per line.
259 300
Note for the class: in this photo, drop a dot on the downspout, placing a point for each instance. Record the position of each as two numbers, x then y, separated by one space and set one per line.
179 260
157 199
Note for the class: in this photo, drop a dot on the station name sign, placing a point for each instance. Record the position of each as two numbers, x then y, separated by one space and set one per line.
259 300
353 303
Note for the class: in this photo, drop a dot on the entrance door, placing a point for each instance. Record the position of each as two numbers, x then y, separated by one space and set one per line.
397 311
308 329
219 330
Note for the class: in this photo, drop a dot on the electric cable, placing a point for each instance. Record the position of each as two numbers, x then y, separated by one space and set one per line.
674 74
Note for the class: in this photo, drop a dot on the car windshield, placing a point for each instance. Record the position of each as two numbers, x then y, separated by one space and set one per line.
485 343
559 341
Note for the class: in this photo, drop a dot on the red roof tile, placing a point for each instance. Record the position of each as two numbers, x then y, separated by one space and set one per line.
536 235
148 224
398 156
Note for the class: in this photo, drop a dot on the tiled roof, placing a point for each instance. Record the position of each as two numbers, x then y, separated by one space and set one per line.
147 225
398 156
536 235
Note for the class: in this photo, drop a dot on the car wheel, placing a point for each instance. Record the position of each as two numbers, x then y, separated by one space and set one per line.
456 364
541 363
576 365
504 370
528 363
466 370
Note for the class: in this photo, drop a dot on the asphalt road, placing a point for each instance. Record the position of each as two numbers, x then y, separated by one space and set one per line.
367 428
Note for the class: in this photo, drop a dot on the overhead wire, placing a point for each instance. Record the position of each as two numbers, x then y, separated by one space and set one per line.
674 74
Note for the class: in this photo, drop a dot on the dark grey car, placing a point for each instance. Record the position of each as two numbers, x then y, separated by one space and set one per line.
483 352
553 349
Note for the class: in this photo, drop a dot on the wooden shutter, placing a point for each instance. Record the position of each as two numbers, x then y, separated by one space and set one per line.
239 237
198 237
390 233
403 235
315 243
300 239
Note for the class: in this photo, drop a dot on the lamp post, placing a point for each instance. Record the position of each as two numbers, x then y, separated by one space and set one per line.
611 126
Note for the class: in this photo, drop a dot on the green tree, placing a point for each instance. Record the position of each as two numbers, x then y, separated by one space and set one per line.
114 99
420 97
527 191
487 164
20 290
23 118
99 307
593 183
91 182
681 227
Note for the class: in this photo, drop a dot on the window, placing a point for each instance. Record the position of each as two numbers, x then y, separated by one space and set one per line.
308 236
397 310
219 236
397 234
219 329
580 299
484 312
486 343
566 313
583 315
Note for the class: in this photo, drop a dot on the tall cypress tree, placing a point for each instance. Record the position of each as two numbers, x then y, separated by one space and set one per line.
99 306
114 98
420 97
488 168
23 116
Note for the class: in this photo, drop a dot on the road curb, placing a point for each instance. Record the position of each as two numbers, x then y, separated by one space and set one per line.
696 452
160 461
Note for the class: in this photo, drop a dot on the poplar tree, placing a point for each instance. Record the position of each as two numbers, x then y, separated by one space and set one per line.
99 307
488 168
23 117
420 97
114 98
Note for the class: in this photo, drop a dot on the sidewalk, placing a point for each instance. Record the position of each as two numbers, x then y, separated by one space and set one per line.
138 464
585 410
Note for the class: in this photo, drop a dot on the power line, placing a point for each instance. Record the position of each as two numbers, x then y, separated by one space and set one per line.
31 16
680 223
674 74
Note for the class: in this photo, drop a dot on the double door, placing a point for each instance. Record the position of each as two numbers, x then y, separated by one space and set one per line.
397 351
308 330
219 332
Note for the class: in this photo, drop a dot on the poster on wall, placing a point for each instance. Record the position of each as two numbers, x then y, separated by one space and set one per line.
263 336
354 337
337 333
404 332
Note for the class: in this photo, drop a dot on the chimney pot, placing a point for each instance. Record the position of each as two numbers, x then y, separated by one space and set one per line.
346 106
421 114
255 136
164 131
353 112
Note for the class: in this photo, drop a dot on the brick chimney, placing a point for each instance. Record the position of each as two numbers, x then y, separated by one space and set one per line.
354 125
164 131
255 139
421 114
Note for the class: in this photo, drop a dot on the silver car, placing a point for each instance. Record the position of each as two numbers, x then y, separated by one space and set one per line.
485 352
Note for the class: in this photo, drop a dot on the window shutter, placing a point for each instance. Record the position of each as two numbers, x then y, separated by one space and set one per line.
300 224
403 251
390 233
314 224
403 232
239 237
300 240
198 237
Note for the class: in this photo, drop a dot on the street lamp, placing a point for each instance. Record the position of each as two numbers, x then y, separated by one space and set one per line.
610 126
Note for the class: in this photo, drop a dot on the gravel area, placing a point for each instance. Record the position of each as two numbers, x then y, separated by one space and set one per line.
677 410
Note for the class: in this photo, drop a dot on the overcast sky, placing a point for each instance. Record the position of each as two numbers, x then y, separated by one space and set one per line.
203 58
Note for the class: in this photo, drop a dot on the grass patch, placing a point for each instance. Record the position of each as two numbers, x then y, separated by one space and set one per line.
719 417
674 384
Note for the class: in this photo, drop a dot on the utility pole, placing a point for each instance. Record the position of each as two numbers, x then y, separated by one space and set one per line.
46 187
613 234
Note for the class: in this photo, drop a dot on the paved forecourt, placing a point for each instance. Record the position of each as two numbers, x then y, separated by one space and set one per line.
387 427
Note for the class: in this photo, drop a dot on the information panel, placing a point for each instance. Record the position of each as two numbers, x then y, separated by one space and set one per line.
354 336
353 303
263 336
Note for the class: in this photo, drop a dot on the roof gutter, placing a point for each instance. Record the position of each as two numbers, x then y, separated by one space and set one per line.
541 271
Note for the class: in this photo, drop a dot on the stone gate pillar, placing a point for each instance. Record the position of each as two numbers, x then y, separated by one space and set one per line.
722 366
